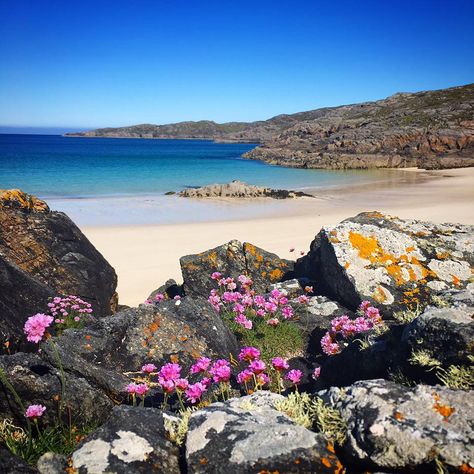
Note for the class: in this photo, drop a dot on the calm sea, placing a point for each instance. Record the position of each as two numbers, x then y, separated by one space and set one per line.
79 175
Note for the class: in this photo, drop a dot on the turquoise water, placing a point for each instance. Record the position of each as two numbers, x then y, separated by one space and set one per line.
106 181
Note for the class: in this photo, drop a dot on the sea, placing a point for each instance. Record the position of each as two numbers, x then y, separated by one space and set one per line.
120 181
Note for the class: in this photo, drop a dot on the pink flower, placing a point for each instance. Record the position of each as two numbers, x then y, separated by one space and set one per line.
287 312
34 411
245 280
249 354
363 325
132 388
276 293
283 300
294 376
262 379
216 276
244 376
238 308
35 327
166 385
303 299
270 307
259 301
338 323
77 319
257 366
243 321
181 384
273 322
149 368
195 391
279 363
206 381
364 305
231 286
170 371
373 314
317 373
159 297
261 313
141 389
220 371
292 249
328 345
201 365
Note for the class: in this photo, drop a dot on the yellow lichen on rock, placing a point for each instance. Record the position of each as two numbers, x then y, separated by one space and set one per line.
22 200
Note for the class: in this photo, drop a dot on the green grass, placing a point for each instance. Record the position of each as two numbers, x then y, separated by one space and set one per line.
284 340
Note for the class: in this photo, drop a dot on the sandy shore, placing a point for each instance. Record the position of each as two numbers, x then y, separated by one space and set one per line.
145 256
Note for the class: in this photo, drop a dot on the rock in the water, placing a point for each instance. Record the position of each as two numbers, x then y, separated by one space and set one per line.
392 427
133 440
247 434
37 382
11 464
180 331
397 264
233 259
238 189
52 250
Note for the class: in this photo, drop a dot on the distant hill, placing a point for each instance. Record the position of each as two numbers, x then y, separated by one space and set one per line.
432 129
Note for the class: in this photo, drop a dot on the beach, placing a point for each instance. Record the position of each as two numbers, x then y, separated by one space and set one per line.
144 256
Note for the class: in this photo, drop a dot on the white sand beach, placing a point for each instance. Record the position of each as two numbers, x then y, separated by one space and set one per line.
145 256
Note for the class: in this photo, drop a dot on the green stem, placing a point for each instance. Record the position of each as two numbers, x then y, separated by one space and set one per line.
278 381
180 398
62 377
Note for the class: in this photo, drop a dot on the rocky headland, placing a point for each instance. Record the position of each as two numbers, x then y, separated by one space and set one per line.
357 357
239 189
430 130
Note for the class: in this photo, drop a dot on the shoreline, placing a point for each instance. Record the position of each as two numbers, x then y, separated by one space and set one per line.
144 256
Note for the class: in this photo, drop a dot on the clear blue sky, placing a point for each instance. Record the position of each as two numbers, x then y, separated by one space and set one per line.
85 64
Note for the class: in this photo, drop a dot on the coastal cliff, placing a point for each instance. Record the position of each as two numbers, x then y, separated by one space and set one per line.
431 129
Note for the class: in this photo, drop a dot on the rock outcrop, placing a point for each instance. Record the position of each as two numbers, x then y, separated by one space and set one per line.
238 189
248 434
233 259
397 264
395 428
46 251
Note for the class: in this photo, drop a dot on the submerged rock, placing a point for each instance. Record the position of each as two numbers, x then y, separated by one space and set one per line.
157 334
396 264
238 189
233 259
248 434
392 427
49 248
133 440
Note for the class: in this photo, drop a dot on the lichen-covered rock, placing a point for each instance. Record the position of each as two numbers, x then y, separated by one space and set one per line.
52 250
37 382
397 264
233 259
168 331
11 464
133 440
248 434
52 463
392 427
446 333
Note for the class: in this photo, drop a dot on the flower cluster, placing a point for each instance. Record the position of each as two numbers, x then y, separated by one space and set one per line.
344 328
245 306
35 327
33 412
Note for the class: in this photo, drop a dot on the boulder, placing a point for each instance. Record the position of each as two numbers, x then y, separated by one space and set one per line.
169 289
133 440
392 427
248 434
50 248
52 463
396 264
181 331
11 464
37 382
233 259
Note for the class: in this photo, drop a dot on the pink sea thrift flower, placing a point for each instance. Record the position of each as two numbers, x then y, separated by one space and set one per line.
132 388
249 354
262 379
166 385
279 363
257 366
364 305
77 319
261 313
149 368
216 276
206 381
303 299
373 314
270 307
317 373
35 411
287 312
273 322
159 297
195 391
244 280
220 371
181 384
36 325
244 376
201 365
170 371
294 376
243 321
259 301
328 345
141 389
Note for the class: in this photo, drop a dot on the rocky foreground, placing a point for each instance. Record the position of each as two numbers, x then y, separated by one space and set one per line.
238 189
376 323
431 130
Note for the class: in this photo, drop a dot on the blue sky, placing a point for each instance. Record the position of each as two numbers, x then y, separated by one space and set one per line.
86 64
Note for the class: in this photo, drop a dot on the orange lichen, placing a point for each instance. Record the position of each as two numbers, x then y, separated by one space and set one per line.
379 295
212 257
398 416
444 410
275 274
375 215
466 469
456 280
368 247
442 255
347 265
326 462
174 358
410 249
